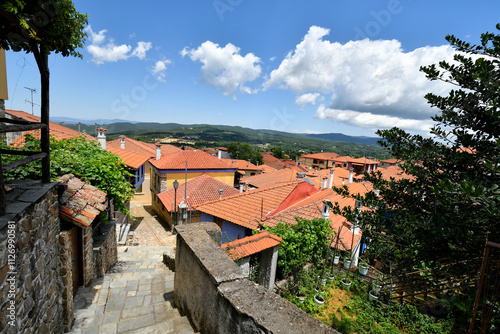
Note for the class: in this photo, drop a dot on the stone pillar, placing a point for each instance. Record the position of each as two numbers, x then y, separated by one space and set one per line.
245 265
66 272
268 265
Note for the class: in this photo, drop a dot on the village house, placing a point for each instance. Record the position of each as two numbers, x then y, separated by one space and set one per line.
389 162
320 160
185 165
200 190
238 215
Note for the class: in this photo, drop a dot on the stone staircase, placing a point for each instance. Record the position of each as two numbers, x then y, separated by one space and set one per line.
135 296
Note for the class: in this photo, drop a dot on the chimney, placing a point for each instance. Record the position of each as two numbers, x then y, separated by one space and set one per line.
158 151
323 183
221 190
350 175
325 213
101 137
248 163
122 142
219 154
246 186
241 187
330 178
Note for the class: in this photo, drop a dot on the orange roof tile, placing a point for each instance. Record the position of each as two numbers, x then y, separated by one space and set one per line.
82 202
140 147
322 156
246 209
394 172
129 158
267 169
254 244
57 130
241 164
196 160
201 189
267 179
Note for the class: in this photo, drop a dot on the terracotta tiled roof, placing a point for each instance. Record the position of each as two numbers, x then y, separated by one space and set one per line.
272 161
267 179
131 159
56 130
201 189
254 244
140 147
394 172
322 156
210 150
267 169
82 202
246 209
196 160
241 164
391 161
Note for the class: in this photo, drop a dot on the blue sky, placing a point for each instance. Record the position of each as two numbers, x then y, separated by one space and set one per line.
297 66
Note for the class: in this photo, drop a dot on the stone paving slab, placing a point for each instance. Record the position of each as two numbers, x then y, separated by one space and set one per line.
135 296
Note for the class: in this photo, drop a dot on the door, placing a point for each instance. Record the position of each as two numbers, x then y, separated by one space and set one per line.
77 258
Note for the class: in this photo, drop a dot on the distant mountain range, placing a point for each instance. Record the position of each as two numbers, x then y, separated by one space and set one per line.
70 120
208 135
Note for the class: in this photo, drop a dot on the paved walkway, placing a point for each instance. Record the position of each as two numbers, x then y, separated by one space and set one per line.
135 296
147 229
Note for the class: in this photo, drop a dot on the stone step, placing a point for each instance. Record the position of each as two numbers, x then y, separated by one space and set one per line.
122 233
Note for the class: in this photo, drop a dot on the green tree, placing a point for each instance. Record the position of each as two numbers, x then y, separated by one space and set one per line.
303 242
86 160
278 152
245 151
41 27
442 213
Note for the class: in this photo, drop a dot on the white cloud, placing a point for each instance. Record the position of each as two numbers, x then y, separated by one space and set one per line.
159 68
309 98
372 121
110 52
224 67
141 49
376 78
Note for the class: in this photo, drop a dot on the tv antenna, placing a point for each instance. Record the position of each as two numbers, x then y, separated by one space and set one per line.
32 90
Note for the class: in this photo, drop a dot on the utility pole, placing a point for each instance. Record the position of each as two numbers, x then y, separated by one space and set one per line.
32 90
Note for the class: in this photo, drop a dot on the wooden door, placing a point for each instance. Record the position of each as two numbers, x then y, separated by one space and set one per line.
77 258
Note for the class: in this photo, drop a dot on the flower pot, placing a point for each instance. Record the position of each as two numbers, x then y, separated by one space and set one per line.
376 288
331 278
347 264
301 298
346 283
363 269
336 259
372 295
323 281
319 300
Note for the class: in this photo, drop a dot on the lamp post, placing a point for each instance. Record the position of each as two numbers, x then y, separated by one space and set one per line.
176 185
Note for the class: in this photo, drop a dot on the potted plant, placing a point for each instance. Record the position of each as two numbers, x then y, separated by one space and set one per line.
346 282
319 299
302 294
347 260
363 268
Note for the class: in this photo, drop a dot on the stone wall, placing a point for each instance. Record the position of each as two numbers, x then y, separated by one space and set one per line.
66 287
105 249
30 278
213 292
88 255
